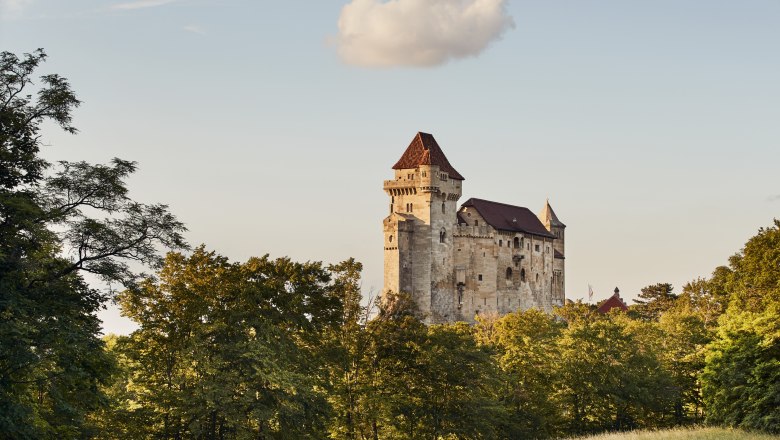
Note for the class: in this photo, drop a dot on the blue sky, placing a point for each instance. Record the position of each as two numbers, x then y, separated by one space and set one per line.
651 126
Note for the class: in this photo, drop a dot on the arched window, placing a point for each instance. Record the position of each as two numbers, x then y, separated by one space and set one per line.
509 273
390 239
443 209
522 275
442 236
517 242
537 278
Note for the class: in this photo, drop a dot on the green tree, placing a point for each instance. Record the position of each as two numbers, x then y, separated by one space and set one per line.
654 300
684 336
527 353
226 350
741 379
341 349
55 225
754 279
426 382
611 378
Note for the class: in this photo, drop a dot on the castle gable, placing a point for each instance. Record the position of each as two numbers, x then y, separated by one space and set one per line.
509 218
425 151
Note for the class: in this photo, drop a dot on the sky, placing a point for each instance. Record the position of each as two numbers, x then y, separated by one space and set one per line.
268 126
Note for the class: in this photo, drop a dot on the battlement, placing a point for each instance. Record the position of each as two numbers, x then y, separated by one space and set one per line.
473 231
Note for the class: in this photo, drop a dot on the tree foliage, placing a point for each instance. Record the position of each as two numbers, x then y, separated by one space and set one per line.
741 380
224 350
654 300
53 227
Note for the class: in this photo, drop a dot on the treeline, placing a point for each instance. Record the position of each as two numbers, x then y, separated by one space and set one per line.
267 349
276 349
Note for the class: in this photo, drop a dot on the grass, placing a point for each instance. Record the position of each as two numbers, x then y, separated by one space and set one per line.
684 434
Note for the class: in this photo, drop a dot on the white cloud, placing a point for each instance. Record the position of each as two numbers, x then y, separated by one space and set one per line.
195 29
13 7
139 4
421 33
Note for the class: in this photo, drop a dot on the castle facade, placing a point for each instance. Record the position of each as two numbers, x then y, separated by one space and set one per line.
483 257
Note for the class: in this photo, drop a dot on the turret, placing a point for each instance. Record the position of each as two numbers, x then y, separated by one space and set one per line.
557 228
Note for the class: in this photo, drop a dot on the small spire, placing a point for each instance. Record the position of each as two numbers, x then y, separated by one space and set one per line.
548 217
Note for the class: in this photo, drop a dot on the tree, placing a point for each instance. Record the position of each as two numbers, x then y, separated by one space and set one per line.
424 382
611 378
229 350
754 279
684 336
741 380
742 372
53 227
527 353
341 349
655 299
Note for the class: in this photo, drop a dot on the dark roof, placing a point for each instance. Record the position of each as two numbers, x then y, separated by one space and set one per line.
461 220
613 302
508 217
557 254
425 151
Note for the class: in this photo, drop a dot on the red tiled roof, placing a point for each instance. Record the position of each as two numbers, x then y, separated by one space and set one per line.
613 302
508 217
425 151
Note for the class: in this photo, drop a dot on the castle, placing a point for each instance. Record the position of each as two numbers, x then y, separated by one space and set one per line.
483 258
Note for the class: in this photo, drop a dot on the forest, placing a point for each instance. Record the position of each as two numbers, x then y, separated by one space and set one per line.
278 349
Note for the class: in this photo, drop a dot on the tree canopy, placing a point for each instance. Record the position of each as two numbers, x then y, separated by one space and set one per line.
57 222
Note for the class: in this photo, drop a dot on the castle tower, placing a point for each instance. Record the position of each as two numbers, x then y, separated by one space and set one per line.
557 228
418 231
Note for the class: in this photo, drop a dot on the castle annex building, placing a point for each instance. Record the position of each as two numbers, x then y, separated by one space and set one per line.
484 257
